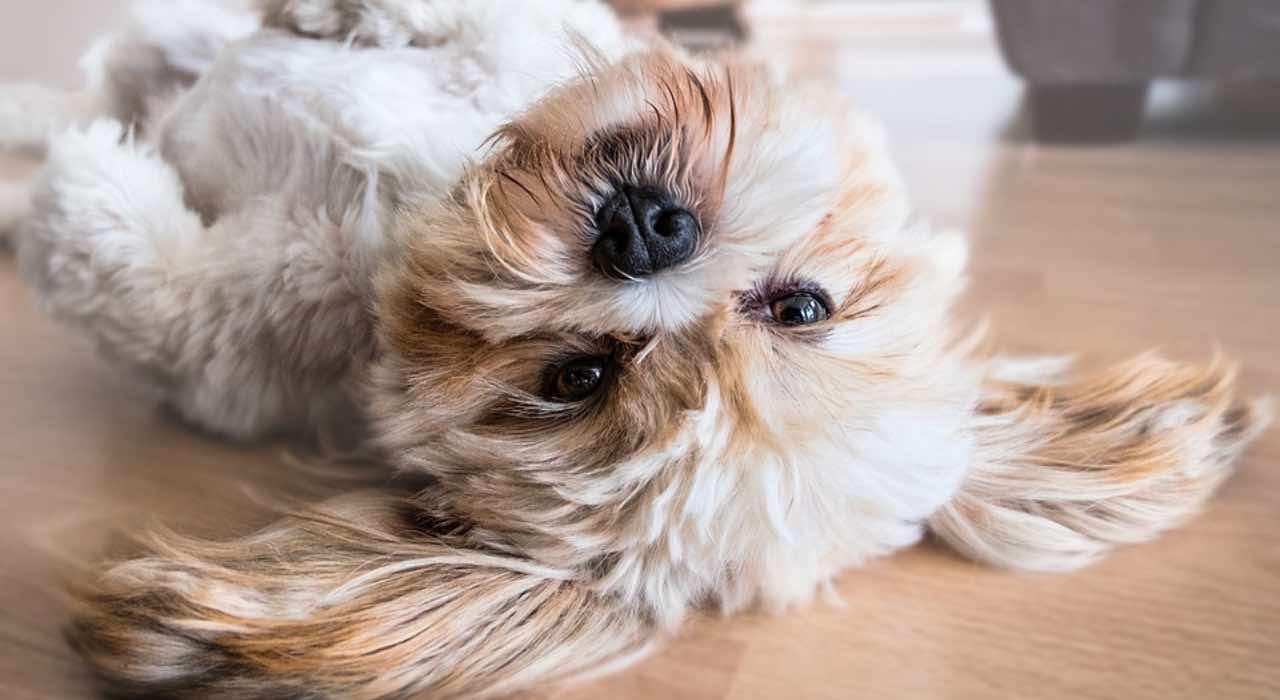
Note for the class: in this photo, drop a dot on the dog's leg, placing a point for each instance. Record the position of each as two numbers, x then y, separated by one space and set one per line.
369 596
1066 468
246 326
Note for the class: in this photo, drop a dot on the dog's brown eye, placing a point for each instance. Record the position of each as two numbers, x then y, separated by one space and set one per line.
577 379
800 309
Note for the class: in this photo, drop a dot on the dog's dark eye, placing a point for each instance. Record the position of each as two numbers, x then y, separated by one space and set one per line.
577 379
799 309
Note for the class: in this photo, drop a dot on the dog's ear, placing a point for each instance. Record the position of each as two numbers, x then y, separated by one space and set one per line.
368 596
1066 467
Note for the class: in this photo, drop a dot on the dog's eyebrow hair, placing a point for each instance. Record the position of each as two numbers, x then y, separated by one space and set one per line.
610 145
657 113
708 118
733 134
507 176
542 177
877 277
646 349
671 95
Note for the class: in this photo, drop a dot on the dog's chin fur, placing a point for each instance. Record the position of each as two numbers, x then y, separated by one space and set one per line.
230 250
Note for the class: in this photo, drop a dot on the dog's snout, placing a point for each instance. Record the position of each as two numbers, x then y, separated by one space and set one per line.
643 231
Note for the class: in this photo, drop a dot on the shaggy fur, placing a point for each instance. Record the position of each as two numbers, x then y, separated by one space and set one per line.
371 221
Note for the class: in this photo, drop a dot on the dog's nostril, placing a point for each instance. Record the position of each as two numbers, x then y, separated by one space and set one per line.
676 223
642 231
618 232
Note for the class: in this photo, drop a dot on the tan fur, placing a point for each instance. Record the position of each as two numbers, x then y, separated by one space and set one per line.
1070 466
364 597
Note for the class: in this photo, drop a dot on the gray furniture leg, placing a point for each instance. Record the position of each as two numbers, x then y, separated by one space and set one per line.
1086 112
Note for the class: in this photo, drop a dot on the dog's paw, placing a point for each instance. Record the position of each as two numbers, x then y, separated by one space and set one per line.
383 23
102 204
106 232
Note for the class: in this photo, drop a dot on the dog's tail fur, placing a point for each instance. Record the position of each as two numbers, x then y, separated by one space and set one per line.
369 596
1068 467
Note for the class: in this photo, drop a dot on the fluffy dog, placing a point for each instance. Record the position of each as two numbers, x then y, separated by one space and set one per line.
662 331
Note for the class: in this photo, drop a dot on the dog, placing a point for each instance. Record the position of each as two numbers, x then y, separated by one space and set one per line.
662 330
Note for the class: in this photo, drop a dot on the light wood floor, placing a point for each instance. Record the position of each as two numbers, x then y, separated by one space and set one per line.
1173 242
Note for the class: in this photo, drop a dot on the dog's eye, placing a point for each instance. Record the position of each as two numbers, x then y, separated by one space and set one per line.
577 379
799 309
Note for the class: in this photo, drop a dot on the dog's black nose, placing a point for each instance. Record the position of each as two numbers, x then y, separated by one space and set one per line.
643 231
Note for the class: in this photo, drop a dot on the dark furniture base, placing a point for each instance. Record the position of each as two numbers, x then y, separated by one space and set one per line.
1086 113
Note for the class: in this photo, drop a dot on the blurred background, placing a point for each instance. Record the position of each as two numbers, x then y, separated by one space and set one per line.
1116 164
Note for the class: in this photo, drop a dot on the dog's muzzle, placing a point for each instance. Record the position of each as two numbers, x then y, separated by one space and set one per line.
643 231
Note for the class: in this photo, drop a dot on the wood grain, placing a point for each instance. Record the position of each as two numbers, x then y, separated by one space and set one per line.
1173 241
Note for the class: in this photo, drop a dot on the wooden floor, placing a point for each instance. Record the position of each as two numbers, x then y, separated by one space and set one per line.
1173 241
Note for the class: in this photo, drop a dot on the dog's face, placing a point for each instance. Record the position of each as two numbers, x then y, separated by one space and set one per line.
679 319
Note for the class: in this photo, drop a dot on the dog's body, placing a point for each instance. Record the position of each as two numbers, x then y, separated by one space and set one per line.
671 340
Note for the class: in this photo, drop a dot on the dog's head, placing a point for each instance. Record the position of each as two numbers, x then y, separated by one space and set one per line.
679 308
